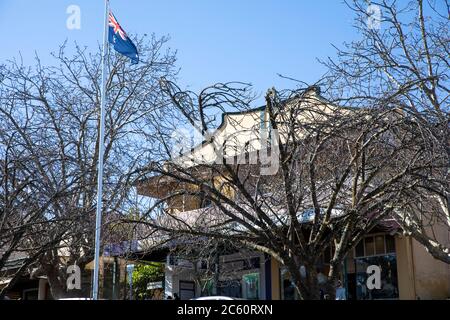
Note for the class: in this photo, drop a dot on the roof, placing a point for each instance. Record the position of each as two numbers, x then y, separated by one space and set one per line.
315 89
201 152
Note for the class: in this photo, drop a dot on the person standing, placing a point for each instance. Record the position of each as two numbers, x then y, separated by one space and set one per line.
340 291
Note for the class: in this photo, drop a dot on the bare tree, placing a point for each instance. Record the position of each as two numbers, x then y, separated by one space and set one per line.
341 172
376 149
402 61
54 109
22 206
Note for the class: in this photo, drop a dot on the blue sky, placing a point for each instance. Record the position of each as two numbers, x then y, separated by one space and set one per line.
216 40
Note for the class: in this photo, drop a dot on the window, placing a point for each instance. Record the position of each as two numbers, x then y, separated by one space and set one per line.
253 263
379 245
359 250
369 245
230 288
251 286
389 281
375 245
187 290
390 244
379 250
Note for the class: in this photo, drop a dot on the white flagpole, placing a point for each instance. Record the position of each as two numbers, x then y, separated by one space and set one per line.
98 218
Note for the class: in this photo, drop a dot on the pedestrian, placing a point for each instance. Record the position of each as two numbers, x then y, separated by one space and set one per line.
340 291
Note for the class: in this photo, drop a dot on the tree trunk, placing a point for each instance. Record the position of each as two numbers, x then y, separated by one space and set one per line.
308 286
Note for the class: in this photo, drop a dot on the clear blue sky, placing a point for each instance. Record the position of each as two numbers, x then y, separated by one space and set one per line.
217 40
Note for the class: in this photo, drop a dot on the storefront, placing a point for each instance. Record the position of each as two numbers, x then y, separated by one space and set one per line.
406 271
240 276
373 250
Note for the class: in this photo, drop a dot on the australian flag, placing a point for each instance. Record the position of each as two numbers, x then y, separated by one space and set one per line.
121 42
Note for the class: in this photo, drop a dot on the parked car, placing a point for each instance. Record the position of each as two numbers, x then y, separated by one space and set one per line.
74 299
217 298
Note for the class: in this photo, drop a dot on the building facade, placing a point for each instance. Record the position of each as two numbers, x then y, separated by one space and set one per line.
406 269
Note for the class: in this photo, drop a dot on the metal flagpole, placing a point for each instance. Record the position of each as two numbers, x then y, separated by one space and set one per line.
98 218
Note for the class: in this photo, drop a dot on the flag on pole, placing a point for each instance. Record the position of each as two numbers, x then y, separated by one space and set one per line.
120 41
